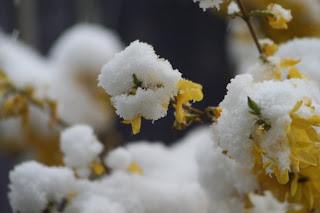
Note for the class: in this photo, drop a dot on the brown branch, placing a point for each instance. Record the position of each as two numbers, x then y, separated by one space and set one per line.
198 112
13 89
247 18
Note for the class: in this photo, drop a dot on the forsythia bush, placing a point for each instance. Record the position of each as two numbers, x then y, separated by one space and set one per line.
261 153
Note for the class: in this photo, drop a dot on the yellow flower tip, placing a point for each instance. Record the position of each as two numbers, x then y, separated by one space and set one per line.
98 168
217 112
135 123
307 101
288 62
184 84
296 107
189 90
281 175
267 164
294 73
135 168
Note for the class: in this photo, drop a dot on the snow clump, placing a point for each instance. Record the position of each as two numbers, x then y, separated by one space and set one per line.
81 148
148 94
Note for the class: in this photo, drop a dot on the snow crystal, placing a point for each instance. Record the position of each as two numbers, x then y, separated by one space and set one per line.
77 57
306 49
175 163
144 194
267 203
224 180
80 147
32 186
92 203
206 4
119 158
233 8
265 41
24 66
83 48
159 82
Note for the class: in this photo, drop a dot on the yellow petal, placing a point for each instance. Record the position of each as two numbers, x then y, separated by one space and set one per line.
313 135
195 94
300 135
305 122
309 195
303 165
294 185
126 122
316 185
278 20
314 120
295 164
296 107
136 124
98 168
179 111
267 164
260 149
188 91
135 168
288 62
217 112
281 175
184 84
298 195
294 73
270 49
305 157
279 23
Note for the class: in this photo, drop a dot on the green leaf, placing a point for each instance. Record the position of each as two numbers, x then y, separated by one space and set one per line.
255 109
136 82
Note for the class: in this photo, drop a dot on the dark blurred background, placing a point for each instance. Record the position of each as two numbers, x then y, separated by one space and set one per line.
192 40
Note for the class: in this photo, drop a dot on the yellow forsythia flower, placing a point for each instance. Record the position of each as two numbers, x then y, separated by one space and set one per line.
280 16
268 46
188 91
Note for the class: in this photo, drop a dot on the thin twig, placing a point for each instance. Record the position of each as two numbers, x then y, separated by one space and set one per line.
247 19
13 89
194 110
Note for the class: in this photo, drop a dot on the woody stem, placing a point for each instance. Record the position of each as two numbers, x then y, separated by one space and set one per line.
247 19
194 110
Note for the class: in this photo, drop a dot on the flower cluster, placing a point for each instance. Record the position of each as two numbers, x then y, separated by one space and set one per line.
274 124
142 85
